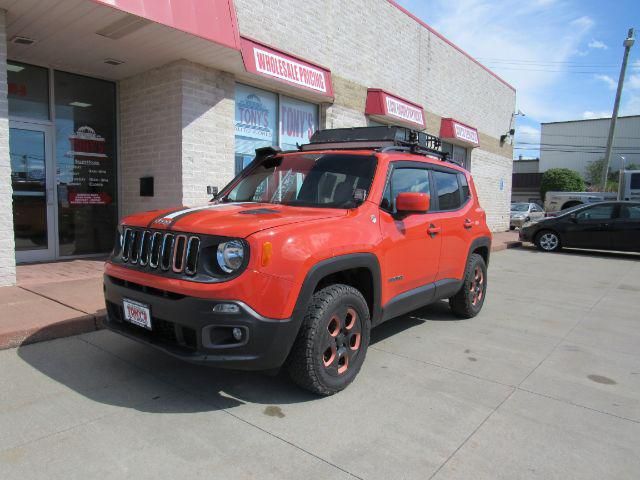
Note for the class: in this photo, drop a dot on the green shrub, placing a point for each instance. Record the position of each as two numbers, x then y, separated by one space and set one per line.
561 180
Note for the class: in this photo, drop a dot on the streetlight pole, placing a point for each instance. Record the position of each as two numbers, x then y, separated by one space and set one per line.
628 43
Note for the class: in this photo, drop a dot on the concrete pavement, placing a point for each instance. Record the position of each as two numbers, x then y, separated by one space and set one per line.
544 383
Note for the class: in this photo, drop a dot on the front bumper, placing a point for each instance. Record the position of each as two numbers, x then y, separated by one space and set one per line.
186 327
526 234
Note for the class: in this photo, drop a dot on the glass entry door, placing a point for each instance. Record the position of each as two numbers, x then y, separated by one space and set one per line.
33 194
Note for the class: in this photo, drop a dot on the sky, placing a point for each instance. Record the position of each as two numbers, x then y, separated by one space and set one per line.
562 56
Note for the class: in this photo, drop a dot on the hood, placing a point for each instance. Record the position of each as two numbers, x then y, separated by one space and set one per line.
229 219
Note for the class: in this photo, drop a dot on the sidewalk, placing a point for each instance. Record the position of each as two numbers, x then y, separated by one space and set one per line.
51 300
60 299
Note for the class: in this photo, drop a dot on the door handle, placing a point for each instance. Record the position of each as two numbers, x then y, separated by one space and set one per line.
468 223
433 230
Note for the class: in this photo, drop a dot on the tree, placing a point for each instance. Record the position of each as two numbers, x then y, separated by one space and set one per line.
594 175
561 180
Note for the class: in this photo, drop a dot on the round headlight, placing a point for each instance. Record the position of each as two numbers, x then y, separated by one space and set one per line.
230 255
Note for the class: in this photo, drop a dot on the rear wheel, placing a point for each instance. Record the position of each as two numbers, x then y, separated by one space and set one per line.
548 241
333 340
468 302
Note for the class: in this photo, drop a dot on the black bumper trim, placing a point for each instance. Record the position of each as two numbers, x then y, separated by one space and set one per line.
182 322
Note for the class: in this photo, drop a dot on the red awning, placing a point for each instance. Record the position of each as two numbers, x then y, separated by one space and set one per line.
390 108
213 20
285 68
458 133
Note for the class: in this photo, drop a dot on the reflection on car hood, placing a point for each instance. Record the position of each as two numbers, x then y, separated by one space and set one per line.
230 219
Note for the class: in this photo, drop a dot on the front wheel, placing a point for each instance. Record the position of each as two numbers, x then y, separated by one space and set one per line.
548 241
468 302
332 342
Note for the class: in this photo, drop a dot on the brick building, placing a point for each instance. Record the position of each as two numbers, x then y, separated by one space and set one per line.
102 99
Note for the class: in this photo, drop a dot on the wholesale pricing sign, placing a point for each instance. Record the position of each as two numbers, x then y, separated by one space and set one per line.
267 62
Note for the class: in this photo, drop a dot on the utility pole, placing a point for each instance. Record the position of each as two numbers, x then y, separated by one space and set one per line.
628 43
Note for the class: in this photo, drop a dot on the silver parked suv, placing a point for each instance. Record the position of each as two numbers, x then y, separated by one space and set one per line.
522 213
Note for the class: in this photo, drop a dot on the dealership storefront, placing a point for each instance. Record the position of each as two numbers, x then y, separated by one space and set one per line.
115 106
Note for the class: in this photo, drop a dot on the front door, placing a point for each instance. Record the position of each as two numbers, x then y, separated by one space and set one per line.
592 227
33 193
411 254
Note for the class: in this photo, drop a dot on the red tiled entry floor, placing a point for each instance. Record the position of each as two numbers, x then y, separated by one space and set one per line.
61 271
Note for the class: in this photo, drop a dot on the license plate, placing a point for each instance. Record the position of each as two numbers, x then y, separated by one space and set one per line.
137 313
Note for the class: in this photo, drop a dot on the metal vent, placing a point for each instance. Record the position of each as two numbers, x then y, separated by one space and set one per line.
163 251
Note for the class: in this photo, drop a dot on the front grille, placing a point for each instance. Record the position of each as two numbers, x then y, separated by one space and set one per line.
162 331
158 250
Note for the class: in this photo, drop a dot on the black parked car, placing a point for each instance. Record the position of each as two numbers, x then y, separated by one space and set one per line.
600 226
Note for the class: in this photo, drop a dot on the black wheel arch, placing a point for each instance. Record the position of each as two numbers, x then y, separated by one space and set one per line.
344 268
481 246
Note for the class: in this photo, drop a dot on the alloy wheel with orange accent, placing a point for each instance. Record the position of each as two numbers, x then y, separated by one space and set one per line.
468 301
332 342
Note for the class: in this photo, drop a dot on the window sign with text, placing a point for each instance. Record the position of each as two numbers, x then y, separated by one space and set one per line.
298 121
255 122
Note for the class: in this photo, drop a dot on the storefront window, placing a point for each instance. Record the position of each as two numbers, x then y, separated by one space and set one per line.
86 163
255 123
28 91
459 155
298 121
264 119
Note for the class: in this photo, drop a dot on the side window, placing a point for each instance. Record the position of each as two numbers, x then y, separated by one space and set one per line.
404 180
597 212
630 212
466 193
448 190
635 181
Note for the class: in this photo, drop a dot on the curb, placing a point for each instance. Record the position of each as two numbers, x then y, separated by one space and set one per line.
505 246
61 329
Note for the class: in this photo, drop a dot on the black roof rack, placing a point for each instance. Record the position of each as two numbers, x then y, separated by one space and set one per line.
383 139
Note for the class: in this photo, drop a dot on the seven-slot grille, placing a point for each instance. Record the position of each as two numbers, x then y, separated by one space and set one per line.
161 250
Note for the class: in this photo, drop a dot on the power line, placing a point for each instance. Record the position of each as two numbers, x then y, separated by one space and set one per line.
570 145
574 136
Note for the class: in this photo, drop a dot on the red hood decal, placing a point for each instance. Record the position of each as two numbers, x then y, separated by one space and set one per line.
229 219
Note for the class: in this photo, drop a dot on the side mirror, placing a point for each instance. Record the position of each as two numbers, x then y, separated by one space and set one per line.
211 190
573 217
413 202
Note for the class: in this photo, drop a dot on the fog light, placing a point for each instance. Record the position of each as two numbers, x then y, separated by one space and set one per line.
226 308
237 334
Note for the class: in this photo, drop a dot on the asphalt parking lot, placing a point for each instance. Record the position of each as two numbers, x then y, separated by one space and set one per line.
544 383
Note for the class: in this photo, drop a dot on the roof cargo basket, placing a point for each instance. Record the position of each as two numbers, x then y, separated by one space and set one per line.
384 139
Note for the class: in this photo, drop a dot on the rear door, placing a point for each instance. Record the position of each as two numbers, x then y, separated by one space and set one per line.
452 204
626 228
536 212
411 254
592 227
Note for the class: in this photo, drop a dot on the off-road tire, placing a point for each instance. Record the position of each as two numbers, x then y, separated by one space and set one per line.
468 302
545 246
306 362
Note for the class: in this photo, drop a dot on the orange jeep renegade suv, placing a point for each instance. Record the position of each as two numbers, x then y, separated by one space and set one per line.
294 262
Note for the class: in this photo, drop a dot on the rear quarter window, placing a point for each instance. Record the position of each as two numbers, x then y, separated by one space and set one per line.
448 190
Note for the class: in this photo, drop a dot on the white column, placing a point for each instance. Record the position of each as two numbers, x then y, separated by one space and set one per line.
7 246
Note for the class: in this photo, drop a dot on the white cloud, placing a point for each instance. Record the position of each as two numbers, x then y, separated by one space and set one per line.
588 115
611 83
532 133
635 65
597 44
482 28
634 82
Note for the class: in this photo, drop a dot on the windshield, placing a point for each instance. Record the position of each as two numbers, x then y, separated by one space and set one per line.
519 207
333 180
